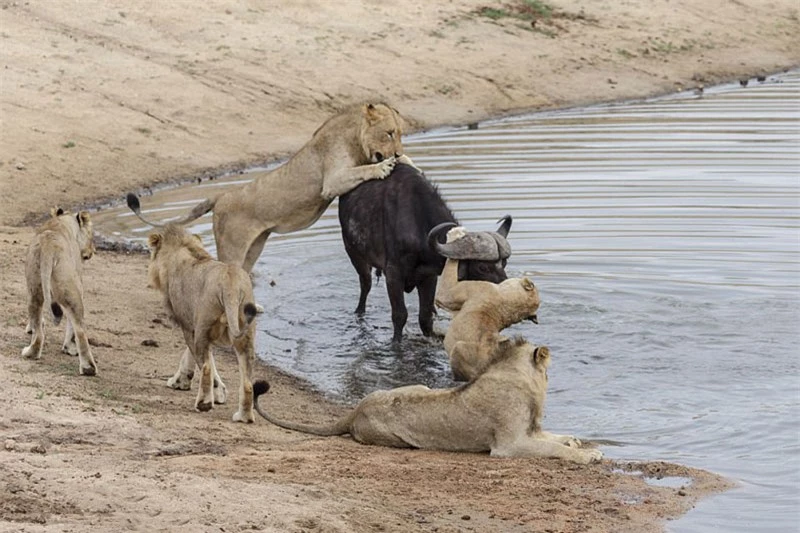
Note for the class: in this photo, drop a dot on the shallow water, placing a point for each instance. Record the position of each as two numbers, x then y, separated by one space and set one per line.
664 237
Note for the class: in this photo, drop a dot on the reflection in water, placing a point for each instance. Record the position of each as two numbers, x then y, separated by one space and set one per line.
664 237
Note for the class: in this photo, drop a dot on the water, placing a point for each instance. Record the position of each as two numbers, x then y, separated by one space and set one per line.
664 237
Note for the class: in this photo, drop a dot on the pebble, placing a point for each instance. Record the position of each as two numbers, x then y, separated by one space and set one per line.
20 166
10 445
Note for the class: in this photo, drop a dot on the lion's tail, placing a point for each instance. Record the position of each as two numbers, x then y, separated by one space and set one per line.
341 427
197 211
232 301
46 271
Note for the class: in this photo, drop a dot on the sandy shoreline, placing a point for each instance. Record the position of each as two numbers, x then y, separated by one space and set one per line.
108 97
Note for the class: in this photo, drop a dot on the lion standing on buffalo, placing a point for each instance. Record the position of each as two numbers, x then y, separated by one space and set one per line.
359 144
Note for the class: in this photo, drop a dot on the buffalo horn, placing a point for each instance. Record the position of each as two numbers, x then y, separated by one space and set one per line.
505 227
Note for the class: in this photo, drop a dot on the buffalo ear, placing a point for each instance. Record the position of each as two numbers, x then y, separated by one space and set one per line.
154 241
527 284
83 218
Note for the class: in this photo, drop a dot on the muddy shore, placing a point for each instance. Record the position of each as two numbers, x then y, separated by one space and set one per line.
99 98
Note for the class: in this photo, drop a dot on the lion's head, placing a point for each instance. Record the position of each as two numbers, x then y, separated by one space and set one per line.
165 247
518 349
380 132
85 234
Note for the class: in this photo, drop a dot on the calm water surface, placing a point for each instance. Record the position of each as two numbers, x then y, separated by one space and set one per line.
664 237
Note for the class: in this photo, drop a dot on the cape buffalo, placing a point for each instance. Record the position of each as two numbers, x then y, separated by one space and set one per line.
385 225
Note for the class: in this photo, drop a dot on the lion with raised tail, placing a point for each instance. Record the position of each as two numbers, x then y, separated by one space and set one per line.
499 412
53 274
359 144
212 302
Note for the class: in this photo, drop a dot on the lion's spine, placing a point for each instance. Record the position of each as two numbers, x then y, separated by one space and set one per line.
340 427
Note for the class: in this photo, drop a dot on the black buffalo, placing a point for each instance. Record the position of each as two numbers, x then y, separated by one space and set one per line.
385 225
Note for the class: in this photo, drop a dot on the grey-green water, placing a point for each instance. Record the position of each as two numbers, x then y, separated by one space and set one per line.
664 237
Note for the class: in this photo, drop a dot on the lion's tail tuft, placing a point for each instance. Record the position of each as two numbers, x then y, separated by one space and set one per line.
260 387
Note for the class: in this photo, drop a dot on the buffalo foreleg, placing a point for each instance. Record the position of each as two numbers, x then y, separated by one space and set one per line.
426 290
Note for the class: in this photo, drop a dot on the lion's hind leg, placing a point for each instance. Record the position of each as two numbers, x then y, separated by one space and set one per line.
246 354
202 356
86 363
69 347
36 325
220 390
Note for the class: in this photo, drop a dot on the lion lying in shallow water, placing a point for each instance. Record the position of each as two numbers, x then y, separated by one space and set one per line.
481 310
500 412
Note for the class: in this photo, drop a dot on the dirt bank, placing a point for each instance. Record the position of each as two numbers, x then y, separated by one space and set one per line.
101 97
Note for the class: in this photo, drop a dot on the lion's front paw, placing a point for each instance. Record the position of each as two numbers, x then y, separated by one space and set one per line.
593 456
406 161
203 406
220 393
30 352
571 441
386 166
247 417
70 348
179 382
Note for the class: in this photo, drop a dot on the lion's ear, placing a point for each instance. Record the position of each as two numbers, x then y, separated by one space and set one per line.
541 355
527 284
154 241
83 218
371 113
56 212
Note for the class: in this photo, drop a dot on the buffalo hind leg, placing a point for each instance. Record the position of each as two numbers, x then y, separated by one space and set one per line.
364 271
426 290
394 286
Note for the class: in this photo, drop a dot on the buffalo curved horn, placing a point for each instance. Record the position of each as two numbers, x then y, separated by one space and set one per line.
433 235
479 246
505 227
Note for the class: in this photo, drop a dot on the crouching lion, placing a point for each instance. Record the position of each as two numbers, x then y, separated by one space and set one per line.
212 302
359 144
500 412
481 310
53 274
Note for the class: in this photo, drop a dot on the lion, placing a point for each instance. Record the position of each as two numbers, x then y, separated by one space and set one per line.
361 143
212 302
53 274
481 310
500 412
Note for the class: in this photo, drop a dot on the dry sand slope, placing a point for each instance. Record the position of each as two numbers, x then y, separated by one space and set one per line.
100 97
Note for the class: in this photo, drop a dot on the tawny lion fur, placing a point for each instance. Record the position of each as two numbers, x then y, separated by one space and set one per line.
213 303
356 145
53 274
500 412
481 310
